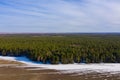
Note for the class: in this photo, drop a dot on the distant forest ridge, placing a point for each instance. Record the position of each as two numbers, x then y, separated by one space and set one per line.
63 48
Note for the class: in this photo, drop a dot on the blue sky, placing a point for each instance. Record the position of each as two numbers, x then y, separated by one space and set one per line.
42 16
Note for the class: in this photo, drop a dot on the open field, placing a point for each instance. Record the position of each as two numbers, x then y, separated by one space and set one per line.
14 70
10 73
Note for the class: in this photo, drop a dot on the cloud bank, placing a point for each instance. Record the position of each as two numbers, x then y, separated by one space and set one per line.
59 16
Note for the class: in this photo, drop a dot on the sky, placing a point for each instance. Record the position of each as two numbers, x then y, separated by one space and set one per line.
59 16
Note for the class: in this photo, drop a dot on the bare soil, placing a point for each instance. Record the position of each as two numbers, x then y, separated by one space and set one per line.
10 62
16 73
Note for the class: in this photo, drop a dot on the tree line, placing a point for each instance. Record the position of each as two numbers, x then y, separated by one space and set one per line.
63 48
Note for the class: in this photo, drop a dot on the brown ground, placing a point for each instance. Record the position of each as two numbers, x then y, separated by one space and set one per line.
13 73
10 62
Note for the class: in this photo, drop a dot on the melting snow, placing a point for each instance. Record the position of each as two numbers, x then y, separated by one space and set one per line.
69 68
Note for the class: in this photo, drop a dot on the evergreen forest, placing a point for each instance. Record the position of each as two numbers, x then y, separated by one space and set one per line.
63 48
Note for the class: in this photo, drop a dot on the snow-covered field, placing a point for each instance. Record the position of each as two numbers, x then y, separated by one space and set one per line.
112 68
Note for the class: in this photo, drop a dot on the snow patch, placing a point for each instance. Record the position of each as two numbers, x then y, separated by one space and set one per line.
112 68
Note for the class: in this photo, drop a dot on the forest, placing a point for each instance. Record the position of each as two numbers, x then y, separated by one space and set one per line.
63 48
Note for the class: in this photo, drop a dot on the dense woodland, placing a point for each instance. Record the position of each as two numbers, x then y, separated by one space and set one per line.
63 48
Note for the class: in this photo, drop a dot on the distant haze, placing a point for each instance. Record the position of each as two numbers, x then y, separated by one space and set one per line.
57 16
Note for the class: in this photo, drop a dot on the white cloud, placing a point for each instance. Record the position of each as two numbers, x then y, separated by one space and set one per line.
62 15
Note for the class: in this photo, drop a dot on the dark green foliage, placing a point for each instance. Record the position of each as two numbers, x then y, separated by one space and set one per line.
62 48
